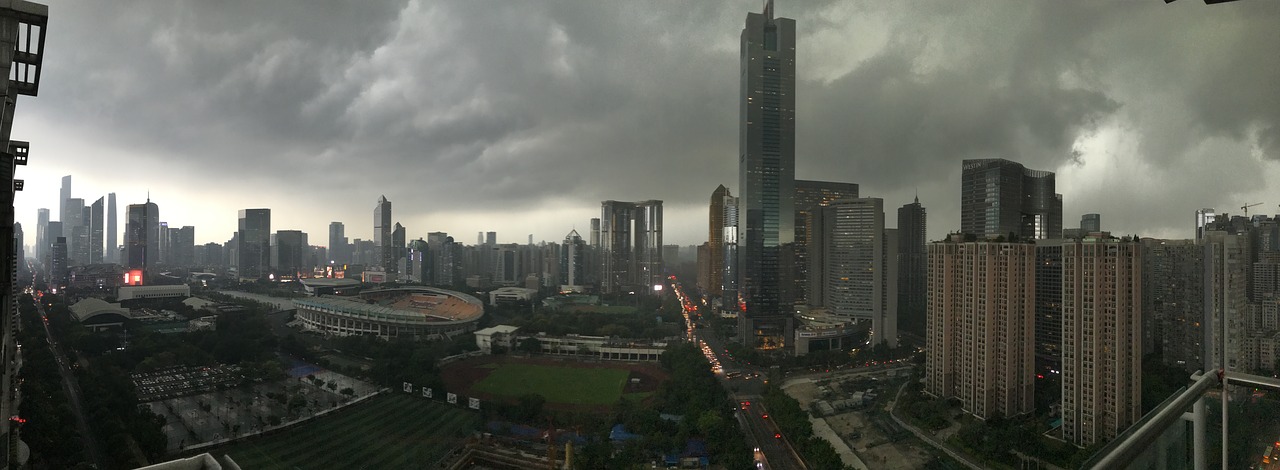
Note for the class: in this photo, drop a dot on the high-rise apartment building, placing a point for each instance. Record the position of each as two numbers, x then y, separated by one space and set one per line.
981 330
382 234
113 248
912 261
711 271
254 243
1048 303
766 177
1101 338
855 265
810 197
141 235
1173 295
631 245
95 232
1226 302
999 197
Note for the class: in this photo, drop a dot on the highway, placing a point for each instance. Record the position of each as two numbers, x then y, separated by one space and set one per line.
72 387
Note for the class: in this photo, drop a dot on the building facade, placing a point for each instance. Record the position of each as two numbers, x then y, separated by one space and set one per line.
711 270
912 262
810 197
253 239
630 245
981 332
855 266
766 177
141 235
999 197
1101 338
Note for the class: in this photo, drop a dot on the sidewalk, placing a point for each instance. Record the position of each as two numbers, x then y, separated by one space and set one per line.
823 430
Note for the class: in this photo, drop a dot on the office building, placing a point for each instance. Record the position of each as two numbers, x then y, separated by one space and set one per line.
766 177
64 194
254 243
141 234
981 351
42 241
59 268
52 231
72 221
631 246
397 246
491 238
912 261
810 197
183 243
112 254
445 264
854 261
1090 223
729 280
1101 338
1204 218
291 248
1173 295
999 198
338 246
572 261
382 235
95 232
711 271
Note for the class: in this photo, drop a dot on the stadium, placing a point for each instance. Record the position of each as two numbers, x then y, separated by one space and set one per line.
406 312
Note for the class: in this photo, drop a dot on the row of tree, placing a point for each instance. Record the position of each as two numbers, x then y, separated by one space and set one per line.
794 424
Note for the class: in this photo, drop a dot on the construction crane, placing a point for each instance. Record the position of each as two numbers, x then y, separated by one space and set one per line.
1246 207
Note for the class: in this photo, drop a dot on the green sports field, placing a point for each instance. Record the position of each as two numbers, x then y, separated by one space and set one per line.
565 385
389 431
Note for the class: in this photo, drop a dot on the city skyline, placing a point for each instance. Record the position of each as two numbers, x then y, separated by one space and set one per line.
535 108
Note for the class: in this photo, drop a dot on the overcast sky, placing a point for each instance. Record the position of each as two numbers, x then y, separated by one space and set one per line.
520 117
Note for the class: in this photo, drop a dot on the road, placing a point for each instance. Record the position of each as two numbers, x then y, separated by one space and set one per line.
72 387
774 450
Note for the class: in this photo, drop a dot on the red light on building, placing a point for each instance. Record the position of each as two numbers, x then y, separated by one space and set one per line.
133 277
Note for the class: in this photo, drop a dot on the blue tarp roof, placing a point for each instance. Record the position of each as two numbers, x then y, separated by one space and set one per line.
619 433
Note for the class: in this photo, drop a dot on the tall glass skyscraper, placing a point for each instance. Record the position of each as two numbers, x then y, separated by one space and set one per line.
254 238
382 234
766 176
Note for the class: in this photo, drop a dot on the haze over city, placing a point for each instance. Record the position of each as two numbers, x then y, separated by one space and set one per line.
521 119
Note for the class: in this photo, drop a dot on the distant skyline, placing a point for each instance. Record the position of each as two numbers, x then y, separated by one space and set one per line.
521 119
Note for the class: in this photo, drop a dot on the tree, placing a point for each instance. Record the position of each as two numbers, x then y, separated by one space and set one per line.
531 345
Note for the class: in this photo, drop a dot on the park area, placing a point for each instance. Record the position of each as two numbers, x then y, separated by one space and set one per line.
566 383
386 431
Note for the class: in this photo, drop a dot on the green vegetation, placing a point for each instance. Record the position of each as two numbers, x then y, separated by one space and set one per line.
794 424
396 431
50 429
567 385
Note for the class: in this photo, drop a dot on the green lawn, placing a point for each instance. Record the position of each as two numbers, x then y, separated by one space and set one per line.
564 385
389 431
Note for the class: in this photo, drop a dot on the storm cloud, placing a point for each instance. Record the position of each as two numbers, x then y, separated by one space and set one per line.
520 117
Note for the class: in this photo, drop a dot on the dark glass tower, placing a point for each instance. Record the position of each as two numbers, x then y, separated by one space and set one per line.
254 238
912 261
766 176
382 234
999 197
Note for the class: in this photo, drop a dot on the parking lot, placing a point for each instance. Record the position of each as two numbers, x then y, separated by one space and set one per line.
181 381
238 412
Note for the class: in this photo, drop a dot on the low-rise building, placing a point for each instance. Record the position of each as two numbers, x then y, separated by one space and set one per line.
599 347
501 336
511 294
153 292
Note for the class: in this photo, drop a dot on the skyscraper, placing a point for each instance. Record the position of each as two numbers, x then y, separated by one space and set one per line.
72 221
113 249
42 240
1204 218
1048 291
397 247
729 281
999 197
631 245
291 246
912 261
1173 302
183 243
1101 338
382 234
978 350
141 235
338 243
254 240
855 260
572 256
64 193
712 269
811 197
95 232
766 176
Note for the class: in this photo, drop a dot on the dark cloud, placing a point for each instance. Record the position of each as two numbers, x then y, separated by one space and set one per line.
317 108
